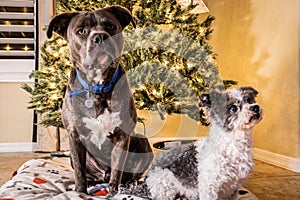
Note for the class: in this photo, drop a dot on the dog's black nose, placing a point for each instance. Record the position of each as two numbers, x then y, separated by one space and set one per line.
255 109
99 38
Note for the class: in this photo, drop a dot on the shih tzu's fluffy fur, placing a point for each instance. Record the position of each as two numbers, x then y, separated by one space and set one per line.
213 167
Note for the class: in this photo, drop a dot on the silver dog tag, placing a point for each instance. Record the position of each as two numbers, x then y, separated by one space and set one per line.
89 103
89 100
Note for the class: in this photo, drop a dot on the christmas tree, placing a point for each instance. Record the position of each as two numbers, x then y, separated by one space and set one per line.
48 92
167 58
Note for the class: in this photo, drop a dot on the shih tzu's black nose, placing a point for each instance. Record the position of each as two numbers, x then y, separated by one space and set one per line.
255 108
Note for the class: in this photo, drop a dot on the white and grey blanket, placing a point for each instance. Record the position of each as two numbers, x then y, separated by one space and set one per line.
53 178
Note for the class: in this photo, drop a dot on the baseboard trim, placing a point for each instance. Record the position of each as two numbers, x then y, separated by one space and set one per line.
279 160
17 147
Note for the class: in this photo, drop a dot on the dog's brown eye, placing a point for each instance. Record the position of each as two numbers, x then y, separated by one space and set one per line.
233 108
80 31
111 26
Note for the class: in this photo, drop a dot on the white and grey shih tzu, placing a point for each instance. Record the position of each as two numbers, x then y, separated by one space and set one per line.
213 167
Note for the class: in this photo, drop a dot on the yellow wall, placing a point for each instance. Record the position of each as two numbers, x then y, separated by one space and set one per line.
15 119
257 42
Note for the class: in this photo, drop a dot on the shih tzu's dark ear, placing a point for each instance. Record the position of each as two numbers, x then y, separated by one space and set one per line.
59 24
249 90
249 94
123 15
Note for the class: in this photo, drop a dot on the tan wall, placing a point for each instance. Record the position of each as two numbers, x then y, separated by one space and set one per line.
257 43
15 119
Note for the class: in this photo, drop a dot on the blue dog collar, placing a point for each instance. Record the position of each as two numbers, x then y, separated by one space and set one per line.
97 88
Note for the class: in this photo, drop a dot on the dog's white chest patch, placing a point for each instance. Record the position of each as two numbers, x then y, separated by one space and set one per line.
101 126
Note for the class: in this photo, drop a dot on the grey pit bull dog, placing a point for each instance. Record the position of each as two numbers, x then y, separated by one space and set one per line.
98 111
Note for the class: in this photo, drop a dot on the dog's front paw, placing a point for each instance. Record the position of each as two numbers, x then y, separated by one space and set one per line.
113 189
81 189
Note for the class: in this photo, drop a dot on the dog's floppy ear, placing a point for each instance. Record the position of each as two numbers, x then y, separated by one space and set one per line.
59 24
122 14
249 90
214 99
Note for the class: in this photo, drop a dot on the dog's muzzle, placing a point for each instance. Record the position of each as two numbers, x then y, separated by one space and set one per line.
102 50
